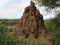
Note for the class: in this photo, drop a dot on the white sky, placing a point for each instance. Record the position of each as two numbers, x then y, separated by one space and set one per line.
13 9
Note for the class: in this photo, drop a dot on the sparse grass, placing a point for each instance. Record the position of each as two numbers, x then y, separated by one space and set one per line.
31 41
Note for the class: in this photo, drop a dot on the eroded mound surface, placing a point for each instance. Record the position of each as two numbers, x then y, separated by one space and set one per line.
30 23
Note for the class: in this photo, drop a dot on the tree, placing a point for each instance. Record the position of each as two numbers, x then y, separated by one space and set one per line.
49 3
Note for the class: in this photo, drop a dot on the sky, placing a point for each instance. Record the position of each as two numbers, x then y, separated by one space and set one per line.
13 9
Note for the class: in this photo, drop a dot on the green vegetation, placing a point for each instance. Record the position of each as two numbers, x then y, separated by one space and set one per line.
6 27
48 3
6 37
53 26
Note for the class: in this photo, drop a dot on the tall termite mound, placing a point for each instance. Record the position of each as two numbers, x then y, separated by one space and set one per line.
30 23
